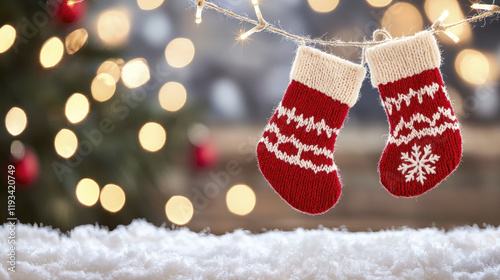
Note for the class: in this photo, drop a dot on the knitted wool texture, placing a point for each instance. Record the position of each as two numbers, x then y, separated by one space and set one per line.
424 145
295 152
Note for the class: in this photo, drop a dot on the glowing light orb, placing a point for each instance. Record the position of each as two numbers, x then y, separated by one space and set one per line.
16 121
323 6
103 87
402 19
113 28
87 192
152 137
7 37
135 73
240 200
179 52
77 108
52 52
172 96
66 143
179 210
112 198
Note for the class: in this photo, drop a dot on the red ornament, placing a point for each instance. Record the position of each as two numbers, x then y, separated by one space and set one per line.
71 11
206 154
27 168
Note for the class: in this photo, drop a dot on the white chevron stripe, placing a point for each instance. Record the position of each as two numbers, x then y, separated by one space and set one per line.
309 123
418 117
307 164
296 143
430 131
296 159
425 90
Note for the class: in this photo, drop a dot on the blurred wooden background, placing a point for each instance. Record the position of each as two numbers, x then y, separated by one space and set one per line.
471 195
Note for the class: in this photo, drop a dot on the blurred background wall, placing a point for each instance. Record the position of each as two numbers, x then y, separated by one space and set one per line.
114 108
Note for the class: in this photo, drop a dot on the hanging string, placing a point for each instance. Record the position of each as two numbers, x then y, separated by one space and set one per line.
261 24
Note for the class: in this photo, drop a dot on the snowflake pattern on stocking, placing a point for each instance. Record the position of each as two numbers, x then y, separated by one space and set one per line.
417 165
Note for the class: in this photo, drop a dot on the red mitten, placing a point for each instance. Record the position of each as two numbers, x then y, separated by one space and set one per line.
295 152
424 144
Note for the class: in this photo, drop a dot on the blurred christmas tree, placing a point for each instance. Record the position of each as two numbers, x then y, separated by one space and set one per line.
77 106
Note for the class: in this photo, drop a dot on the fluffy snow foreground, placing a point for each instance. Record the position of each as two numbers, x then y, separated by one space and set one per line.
143 251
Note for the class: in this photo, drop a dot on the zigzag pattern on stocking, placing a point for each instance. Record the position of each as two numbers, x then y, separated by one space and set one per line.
309 123
425 90
301 147
432 130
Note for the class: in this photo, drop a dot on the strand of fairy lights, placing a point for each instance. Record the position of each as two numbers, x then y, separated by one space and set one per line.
261 24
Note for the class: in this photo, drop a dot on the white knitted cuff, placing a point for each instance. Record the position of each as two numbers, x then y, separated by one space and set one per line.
338 78
403 58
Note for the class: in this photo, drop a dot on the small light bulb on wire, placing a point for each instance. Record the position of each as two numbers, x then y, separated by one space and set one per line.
486 7
71 3
259 27
199 8
244 36
438 26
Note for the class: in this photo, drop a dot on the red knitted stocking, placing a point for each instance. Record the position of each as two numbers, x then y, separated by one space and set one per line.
424 144
295 152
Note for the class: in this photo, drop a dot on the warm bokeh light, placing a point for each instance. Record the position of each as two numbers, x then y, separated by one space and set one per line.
152 136
434 9
240 200
112 198
402 19
66 143
77 108
472 66
103 87
113 27
87 192
16 121
179 210
149 4
112 67
379 3
323 6
135 73
172 96
179 52
52 52
17 149
76 40
7 37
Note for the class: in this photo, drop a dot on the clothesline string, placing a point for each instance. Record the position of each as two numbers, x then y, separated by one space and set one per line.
438 26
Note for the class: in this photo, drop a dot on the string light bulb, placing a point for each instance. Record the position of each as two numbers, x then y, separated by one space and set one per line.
337 42
486 7
438 26
260 26
199 8
255 4
70 3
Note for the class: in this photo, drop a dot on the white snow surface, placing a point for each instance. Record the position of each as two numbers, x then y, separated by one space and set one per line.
144 251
